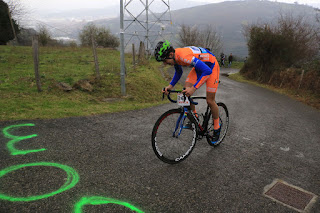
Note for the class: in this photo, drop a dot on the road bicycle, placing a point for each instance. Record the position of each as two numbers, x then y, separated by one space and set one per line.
176 132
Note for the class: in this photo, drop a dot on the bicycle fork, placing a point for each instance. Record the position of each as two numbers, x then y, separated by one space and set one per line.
179 124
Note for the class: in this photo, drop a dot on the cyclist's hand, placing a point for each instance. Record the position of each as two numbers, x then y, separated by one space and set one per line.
166 89
189 91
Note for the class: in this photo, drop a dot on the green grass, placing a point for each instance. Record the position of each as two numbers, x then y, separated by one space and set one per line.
235 65
21 100
306 97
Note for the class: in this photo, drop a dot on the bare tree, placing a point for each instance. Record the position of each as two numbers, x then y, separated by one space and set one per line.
17 10
193 36
188 36
210 38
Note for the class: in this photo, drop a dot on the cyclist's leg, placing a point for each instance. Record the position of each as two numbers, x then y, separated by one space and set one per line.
212 104
212 86
190 81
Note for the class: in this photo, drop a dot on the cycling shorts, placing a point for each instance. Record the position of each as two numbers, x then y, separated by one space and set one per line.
212 81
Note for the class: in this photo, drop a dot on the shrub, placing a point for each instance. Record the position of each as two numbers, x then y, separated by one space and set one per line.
292 42
103 36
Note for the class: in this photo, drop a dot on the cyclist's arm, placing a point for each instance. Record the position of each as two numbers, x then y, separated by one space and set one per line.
205 72
177 74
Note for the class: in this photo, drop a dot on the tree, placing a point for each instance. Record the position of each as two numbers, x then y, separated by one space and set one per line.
17 10
6 31
102 36
188 36
44 35
210 38
193 36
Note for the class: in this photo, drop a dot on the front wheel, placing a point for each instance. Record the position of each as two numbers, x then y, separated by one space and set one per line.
224 123
173 136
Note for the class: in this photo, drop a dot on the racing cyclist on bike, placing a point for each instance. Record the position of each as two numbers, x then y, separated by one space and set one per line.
205 70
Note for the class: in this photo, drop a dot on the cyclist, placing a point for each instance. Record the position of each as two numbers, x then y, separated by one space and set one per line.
205 70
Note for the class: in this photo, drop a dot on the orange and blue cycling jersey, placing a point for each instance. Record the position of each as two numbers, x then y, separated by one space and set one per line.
204 63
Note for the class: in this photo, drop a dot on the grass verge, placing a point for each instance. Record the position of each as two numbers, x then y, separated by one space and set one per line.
20 100
306 97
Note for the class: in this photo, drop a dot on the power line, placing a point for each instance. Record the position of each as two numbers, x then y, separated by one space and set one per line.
66 33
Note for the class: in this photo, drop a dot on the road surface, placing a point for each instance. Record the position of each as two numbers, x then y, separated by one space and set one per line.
109 157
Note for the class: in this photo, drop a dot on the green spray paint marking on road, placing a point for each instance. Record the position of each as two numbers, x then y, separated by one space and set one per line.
16 139
72 180
72 176
95 200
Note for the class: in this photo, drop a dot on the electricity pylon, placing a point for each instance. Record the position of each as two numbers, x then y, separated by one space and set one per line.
147 21
142 20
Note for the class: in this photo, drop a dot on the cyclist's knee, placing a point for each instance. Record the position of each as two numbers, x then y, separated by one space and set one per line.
211 102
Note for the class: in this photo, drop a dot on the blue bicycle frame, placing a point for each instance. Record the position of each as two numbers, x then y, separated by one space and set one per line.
179 123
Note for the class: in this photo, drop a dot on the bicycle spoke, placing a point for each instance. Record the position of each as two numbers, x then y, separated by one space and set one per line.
169 148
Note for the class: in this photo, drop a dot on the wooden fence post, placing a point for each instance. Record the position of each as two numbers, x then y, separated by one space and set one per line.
142 52
302 73
133 56
35 48
96 62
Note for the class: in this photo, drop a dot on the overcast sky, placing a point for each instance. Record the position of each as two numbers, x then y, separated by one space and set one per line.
77 4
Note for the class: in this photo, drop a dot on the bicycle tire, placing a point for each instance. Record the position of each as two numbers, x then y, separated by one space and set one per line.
224 122
169 147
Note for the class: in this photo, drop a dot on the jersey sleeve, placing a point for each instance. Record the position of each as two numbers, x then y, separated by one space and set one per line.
177 74
204 69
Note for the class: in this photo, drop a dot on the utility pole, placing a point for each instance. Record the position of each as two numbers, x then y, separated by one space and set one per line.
35 48
147 23
122 61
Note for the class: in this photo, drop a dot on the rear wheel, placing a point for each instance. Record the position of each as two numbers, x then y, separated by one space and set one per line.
173 136
224 123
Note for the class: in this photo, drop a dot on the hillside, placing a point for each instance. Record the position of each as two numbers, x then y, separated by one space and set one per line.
228 18
20 98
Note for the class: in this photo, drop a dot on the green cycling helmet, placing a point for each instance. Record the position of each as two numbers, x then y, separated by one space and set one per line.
162 50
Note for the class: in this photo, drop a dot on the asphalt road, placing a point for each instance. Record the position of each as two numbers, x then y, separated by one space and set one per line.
270 137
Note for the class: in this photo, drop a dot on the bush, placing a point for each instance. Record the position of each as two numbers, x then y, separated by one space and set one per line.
45 38
103 36
44 35
292 42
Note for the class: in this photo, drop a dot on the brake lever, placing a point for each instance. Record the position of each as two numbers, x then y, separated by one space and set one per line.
184 95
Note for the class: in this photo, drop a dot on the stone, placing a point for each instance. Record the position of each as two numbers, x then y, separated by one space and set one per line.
63 86
83 85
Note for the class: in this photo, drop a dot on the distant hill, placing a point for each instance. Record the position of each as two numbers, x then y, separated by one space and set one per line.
228 18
